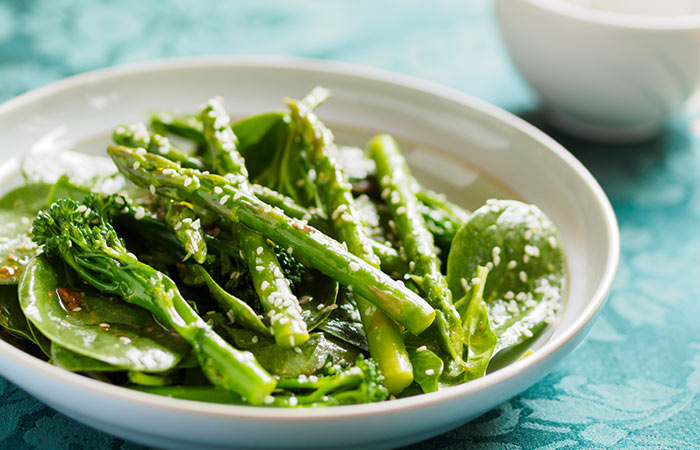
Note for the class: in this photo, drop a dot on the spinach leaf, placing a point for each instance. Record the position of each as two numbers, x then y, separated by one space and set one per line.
17 210
306 359
344 322
479 337
427 368
75 362
93 325
522 249
260 138
11 315
317 296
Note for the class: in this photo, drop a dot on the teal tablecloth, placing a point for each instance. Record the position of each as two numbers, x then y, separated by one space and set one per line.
633 384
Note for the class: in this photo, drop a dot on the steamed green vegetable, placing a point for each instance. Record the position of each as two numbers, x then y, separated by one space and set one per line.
86 241
17 209
259 262
527 271
310 246
271 285
395 181
383 335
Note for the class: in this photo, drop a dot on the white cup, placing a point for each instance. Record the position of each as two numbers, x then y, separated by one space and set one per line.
604 74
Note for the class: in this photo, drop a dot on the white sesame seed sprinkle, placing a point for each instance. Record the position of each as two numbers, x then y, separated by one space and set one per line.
430 372
523 276
224 199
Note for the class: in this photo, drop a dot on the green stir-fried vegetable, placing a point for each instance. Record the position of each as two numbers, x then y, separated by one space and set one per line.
264 264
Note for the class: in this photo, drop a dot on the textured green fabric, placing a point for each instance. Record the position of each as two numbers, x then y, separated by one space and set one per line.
633 384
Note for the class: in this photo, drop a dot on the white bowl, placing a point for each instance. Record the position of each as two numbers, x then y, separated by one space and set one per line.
460 145
603 75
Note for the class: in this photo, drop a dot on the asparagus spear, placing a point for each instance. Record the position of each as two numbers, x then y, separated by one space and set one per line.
188 230
85 239
391 261
276 297
383 335
395 180
136 135
310 246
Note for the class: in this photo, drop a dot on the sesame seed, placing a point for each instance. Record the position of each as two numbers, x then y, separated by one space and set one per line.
104 325
152 189
354 266
259 250
81 208
187 182
528 234
523 276
124 340
512 264
264 285
297 350
77 309
422 348
218 190
530 304
136 165
293 400
527 333
526 258
224 199
140 214
476 280
521 296
411 266
400 210
552 241
509 295
430 372
268 400
168 172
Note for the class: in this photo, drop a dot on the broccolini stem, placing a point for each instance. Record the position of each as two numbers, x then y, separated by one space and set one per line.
311 247
383 335
395 180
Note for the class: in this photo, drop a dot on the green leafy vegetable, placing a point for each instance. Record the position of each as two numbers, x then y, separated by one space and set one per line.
527 275
90 324
17 209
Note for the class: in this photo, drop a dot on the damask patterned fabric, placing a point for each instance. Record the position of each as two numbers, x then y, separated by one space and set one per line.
633 384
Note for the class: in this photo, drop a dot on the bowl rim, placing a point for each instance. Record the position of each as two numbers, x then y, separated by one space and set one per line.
118 393
616 19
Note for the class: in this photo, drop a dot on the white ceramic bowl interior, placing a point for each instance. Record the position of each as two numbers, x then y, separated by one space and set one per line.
456 144
600 74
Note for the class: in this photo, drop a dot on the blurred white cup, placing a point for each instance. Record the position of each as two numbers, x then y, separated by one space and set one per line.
609 70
